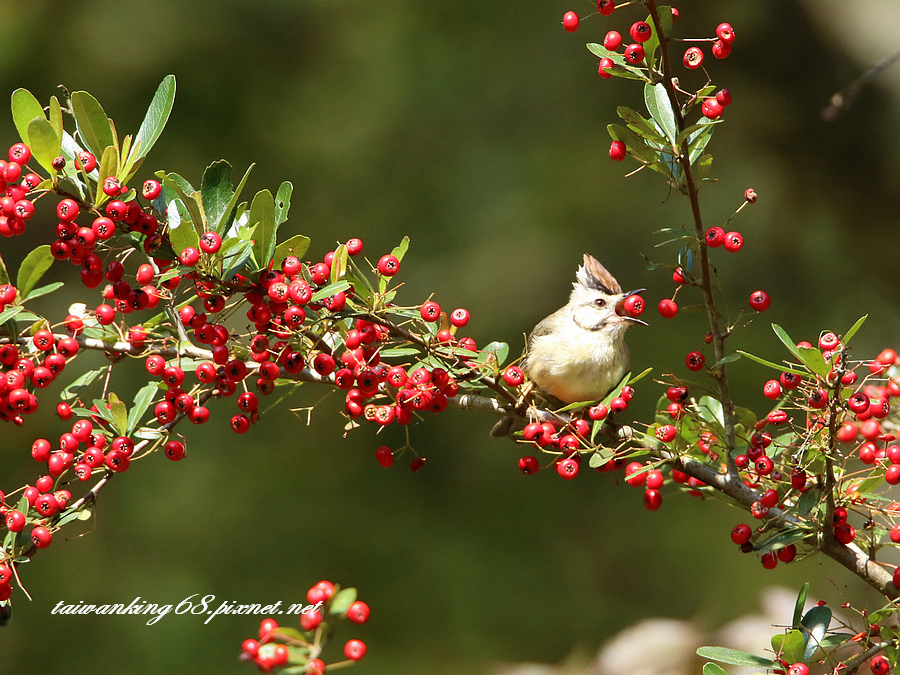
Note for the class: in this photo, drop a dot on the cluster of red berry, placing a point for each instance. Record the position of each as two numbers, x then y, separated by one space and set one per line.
282 646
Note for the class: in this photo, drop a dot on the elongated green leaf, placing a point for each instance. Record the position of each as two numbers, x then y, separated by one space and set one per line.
734 657
341 601
45 290
25 107
176 185
801 602
296 245
283 202
55 116
660 109
4 273
82 383
713 669
142 401
770 364
639 125
816 621
226 221
329 290
665 20
181 228
118 414
636 145
789 645
620 67
109 166
499 351
156 117
262 215
44 142
216 192
710 409
698 141
400 250
850 333
786 340
704 167
9 313
32 269
92 122
812 358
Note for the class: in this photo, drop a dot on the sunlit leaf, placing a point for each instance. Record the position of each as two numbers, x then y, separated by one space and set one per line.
735 657
296 245
92 122
25 108
262 216
33 268
660 109
157 115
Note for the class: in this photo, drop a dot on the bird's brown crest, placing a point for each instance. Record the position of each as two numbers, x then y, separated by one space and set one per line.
594 275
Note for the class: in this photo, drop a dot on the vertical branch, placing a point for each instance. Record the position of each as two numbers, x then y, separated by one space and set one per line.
717 371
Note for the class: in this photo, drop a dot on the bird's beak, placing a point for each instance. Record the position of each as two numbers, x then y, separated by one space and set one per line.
620 308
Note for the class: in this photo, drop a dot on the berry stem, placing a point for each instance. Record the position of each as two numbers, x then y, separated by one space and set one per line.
717 371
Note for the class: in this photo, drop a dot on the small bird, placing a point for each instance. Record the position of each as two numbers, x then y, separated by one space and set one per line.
578 353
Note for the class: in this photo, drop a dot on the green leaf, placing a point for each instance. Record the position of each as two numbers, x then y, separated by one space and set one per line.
283 202
710 409
801 602
342 600
296 245
812 358
82 383
660 109
262 216
74 515
33 268
44 142
176 185
92 122
234 200
156 117
142 401
45 290
789 645
704 166
728 358
816 621
339 263
770 364
713 669
665 19
400 251
181 227
636 145
329 290
4 274
118 414
639 125
495 351
734 657
9 313
25 107
698 141
216 192
109 166
602 455
854 328
786 340
620 67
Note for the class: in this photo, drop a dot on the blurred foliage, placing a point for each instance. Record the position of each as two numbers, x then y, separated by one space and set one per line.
478 129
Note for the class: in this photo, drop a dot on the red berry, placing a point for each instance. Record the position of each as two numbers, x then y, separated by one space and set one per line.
358 612
385 456
606 7
678 276
715 236
151 189
598 412
210 242
720 49
652 499
880 665
41 536
634 53
528 465
693 57
321 592
759 300
604 68
570 21
750 195
430 311
772 389
666 433
741 534
844 533
725 33
711 108
355 649
67 210
695 361
388 265
513 376
567 468
640 31
613 40
189 256
617 151
20 154
668 308
733 241
85 161
634 305
724 98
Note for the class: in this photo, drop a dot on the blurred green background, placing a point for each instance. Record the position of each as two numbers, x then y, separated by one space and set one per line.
478 129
